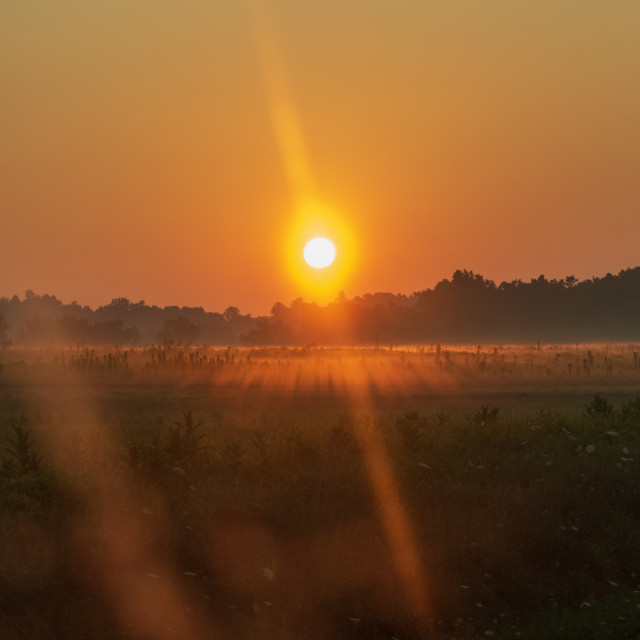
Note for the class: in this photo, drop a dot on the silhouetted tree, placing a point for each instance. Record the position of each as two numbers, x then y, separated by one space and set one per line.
231 314
179 330
4 331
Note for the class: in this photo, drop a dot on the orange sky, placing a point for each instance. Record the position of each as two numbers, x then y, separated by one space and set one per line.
176 152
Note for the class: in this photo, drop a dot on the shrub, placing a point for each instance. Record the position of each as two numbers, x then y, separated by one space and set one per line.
185 440
599 407
23 458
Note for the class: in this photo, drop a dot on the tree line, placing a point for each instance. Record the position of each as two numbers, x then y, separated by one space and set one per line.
45 320
465 308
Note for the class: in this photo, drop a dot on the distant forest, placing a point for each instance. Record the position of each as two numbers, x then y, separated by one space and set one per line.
464 309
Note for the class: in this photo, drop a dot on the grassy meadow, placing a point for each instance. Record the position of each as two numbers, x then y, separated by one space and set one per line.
409 492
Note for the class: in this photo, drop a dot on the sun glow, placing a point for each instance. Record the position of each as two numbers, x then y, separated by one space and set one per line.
319 253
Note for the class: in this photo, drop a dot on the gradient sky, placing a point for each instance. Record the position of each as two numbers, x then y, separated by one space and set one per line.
166 150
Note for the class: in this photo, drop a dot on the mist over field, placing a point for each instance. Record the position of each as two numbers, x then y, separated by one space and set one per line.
432 492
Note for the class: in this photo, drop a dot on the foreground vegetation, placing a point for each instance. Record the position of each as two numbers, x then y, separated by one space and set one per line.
236 494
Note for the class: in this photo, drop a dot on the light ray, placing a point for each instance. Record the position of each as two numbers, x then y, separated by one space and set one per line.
311 216
283 114
392 511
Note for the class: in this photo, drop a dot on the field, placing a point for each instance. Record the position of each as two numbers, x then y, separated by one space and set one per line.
408 492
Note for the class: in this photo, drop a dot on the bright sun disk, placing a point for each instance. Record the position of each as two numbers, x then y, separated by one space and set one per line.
319 253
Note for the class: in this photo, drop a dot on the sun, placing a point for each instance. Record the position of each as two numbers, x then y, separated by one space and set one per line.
319 253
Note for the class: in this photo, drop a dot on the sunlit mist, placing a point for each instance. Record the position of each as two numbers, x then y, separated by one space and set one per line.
206 492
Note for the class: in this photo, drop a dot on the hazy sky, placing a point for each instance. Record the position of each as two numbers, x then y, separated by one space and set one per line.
180 152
